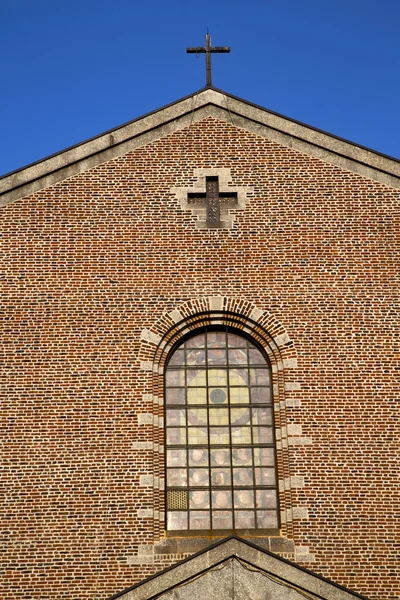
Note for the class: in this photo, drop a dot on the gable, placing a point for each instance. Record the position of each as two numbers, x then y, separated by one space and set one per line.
183 113
109 265
234 570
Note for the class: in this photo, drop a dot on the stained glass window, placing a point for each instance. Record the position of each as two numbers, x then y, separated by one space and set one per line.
220 450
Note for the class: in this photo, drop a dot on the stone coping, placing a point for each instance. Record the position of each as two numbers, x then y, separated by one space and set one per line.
180 114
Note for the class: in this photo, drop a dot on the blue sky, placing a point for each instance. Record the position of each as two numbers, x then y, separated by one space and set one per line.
71 70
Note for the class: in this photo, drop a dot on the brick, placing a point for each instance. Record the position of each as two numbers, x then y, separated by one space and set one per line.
101 267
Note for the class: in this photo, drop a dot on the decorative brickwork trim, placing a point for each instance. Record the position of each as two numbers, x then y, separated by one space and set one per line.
264 328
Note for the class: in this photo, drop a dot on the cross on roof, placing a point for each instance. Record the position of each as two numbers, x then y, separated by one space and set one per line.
208 50
212 199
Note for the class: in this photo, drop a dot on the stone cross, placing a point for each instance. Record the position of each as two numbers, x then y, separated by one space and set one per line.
208 50
212 199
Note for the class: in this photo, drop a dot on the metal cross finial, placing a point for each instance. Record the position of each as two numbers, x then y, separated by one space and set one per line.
208 50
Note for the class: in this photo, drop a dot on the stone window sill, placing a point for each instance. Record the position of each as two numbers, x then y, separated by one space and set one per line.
189 543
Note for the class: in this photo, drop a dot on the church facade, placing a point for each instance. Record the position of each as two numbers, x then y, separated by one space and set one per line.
199 334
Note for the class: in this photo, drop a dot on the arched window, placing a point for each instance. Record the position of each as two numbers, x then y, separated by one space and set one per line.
220 445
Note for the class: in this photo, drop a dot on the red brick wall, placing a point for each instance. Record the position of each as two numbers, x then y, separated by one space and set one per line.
92 261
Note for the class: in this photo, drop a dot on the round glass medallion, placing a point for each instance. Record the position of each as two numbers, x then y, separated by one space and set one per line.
217 396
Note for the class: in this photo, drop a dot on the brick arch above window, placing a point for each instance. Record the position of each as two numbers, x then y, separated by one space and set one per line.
158 340
266 331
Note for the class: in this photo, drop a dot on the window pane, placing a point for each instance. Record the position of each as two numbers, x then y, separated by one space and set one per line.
216 339
239 395
265 476
178 358
262 416
175 396
200 520
199 499
255 357
198 341
240 416
242 456
217 377
177 477
197 436
197 416
243 477
176 417
238 377
266 498
244 519
175 377
222 520
244 499
219 416
177 520
259 377
220 457
220 477
197 396
195 357
217 356
199 477
237 357
198 457
176 436
260 395
218 396
235 341
176 458
222 499
219 435
262 435
267 519
264 456
241 435
196 377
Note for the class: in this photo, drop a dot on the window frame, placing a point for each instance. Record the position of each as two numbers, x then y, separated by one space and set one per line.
249 532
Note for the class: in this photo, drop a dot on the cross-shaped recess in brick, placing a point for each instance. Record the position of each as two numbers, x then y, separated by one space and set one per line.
212 199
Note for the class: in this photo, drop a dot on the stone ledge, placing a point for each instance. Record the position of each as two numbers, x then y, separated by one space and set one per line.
190 545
